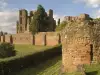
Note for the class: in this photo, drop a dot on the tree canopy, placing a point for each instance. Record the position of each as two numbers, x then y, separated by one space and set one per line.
39 20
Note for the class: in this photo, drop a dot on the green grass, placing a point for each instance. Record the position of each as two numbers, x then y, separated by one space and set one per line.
94 69
50 67
53 67
28 49
24 50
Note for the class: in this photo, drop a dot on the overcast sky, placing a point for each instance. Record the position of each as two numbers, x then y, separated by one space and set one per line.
9 9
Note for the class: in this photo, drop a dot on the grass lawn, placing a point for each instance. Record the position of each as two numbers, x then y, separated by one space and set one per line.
53 67
23 50
50 67
94 69
28 49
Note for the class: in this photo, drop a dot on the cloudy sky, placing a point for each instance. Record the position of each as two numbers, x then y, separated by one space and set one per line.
9 9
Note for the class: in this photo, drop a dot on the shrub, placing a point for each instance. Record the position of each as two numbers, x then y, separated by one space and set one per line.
6 50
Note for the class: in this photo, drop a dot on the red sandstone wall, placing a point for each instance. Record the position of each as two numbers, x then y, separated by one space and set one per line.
51 38
39 40
22 38
1 39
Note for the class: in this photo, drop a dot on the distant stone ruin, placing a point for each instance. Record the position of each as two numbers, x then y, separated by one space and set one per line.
22 26
79 18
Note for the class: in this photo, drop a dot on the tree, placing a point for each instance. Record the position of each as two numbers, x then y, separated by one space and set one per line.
41 17
1 33
39 20
59 21
34 25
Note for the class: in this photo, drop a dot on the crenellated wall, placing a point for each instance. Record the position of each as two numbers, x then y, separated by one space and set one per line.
42 38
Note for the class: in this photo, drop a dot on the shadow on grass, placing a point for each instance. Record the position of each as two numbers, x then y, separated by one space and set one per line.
38 68
36 62
92 73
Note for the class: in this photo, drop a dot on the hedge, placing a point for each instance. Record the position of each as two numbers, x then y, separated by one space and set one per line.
9 66
7 50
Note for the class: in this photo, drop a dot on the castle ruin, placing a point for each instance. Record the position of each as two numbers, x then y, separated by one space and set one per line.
80 42
80 38
25 21
77 18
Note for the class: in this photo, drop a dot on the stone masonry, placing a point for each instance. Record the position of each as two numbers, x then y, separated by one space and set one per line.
42 38
77 18
80 43
25 20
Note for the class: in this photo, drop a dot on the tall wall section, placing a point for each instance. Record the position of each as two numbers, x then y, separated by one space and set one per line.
75 46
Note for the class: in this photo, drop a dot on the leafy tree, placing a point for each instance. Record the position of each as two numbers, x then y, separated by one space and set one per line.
39 20
34 25
59 21
41 17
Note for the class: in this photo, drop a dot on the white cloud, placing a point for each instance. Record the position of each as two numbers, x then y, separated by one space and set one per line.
8 21
56 17
3 4
91 3
96 14
8 18
95 4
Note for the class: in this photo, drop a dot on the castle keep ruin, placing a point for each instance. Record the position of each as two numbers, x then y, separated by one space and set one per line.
25 21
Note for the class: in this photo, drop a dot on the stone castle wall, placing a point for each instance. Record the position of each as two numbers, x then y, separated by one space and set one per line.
75 46
42 38
22 39
80 44
81 17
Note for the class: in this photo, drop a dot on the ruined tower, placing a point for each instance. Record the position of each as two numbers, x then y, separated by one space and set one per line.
22 21
52 22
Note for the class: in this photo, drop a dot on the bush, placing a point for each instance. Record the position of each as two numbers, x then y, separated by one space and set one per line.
6 50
